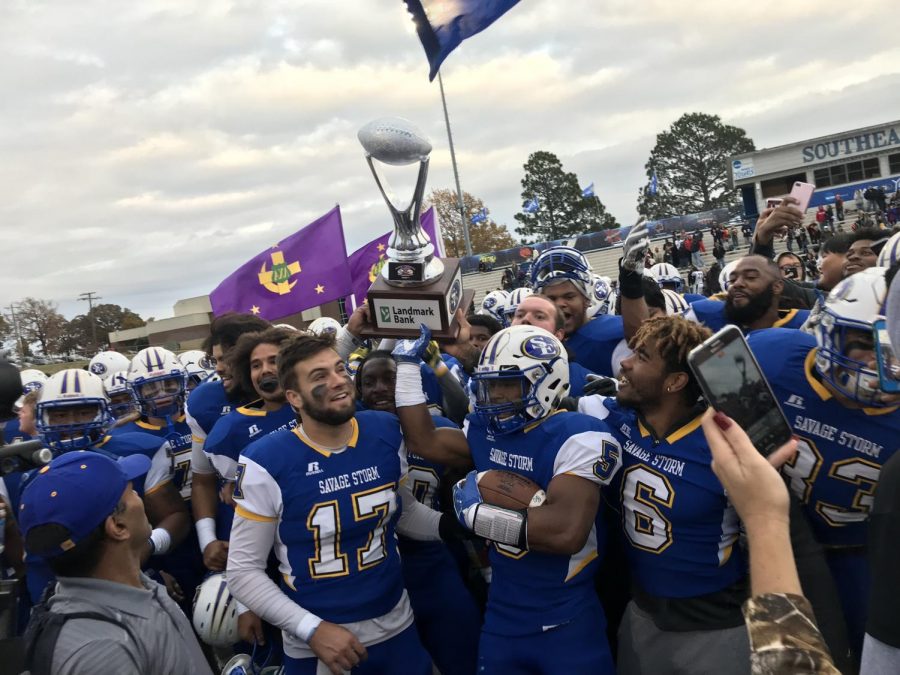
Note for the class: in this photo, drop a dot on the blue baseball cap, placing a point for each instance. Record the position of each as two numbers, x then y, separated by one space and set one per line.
77 491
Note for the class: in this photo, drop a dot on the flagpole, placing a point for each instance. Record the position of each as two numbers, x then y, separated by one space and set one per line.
459 194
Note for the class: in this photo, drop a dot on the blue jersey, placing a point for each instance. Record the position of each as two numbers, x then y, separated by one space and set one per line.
531 590
577 378
336 515
681 529
228 438
206 404
841 450
711 313
693 297
594 343
178 437
455 368
12 433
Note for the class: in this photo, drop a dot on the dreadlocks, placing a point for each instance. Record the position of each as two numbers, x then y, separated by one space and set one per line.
675 337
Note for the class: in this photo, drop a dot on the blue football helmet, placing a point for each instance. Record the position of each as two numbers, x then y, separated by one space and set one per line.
158 381
562 263
846 321
72 412
521 377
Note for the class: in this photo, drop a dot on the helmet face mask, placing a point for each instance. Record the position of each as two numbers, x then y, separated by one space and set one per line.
73 411
158 382
845 325
522 375
121 399
562 263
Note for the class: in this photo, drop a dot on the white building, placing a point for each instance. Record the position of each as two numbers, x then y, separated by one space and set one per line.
836 164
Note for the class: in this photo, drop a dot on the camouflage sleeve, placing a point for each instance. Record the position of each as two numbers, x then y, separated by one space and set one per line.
784 637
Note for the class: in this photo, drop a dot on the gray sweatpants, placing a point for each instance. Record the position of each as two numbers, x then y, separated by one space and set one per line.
646 650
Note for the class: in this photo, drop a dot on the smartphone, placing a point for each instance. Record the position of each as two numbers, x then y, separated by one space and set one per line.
888 363
803 192
733 383
773 202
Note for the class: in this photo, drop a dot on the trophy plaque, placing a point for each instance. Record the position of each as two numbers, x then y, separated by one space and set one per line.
414 287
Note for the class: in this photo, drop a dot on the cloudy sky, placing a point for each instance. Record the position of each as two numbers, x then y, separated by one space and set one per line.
148 148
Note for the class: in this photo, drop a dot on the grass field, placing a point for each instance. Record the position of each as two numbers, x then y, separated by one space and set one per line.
56 367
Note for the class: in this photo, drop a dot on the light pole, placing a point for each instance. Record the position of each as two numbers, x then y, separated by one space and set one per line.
90 296
20 348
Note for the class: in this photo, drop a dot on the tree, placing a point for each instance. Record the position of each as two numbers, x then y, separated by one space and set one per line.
485 236
5 328
691 161
562 211
108 317
40 322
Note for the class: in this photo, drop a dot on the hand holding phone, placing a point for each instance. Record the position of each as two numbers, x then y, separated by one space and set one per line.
734 384
803 193
888 363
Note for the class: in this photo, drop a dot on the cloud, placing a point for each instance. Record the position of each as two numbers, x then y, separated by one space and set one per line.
150 148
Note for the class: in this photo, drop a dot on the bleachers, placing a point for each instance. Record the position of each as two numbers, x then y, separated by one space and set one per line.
603 261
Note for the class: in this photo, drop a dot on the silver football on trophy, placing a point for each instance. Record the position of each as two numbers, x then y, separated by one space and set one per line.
394 140
410 253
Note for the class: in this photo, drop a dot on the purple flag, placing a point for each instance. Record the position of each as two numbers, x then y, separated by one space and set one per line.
305 270
366 262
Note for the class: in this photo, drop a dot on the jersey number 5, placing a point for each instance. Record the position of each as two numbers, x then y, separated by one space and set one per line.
324 521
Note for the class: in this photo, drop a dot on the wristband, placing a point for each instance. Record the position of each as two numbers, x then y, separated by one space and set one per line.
206 532
307 627
408 389
503 526
161 540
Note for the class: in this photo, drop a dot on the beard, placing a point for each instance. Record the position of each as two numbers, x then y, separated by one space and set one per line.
318 412
755 308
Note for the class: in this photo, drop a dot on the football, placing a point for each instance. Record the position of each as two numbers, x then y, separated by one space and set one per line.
394 140
509 490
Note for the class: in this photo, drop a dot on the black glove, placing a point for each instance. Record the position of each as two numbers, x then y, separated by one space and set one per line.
600 385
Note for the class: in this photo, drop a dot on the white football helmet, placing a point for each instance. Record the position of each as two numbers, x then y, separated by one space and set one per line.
516 297
675 302
528 359
121 398
890 252
158 382
198 366
562 263
67 389
601 292
494 305
32 379
853 305
667 275
215 615
105 364
286 326
726 273
324 325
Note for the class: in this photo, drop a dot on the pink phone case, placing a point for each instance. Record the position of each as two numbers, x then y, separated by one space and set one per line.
803 192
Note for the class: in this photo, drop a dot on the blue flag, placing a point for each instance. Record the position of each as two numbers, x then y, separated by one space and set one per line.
654 183
479 217
531 206
588 191
443 24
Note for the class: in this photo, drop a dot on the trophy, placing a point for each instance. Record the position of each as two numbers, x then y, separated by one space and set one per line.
413 286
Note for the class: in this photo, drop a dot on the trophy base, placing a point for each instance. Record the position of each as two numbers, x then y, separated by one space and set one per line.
412 274
397 312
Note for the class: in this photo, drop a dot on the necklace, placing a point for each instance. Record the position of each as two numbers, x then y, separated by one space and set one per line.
325 447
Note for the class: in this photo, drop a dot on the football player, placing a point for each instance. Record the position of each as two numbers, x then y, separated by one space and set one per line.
563 275
106 363
198 365
668 277
542 613
326 495
121 398
689 577
494 305
865 245
846 426
208 402
253 363
481 328
21 427
447 618
73 414
755 287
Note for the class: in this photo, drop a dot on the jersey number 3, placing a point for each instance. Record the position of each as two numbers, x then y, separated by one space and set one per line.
324 521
